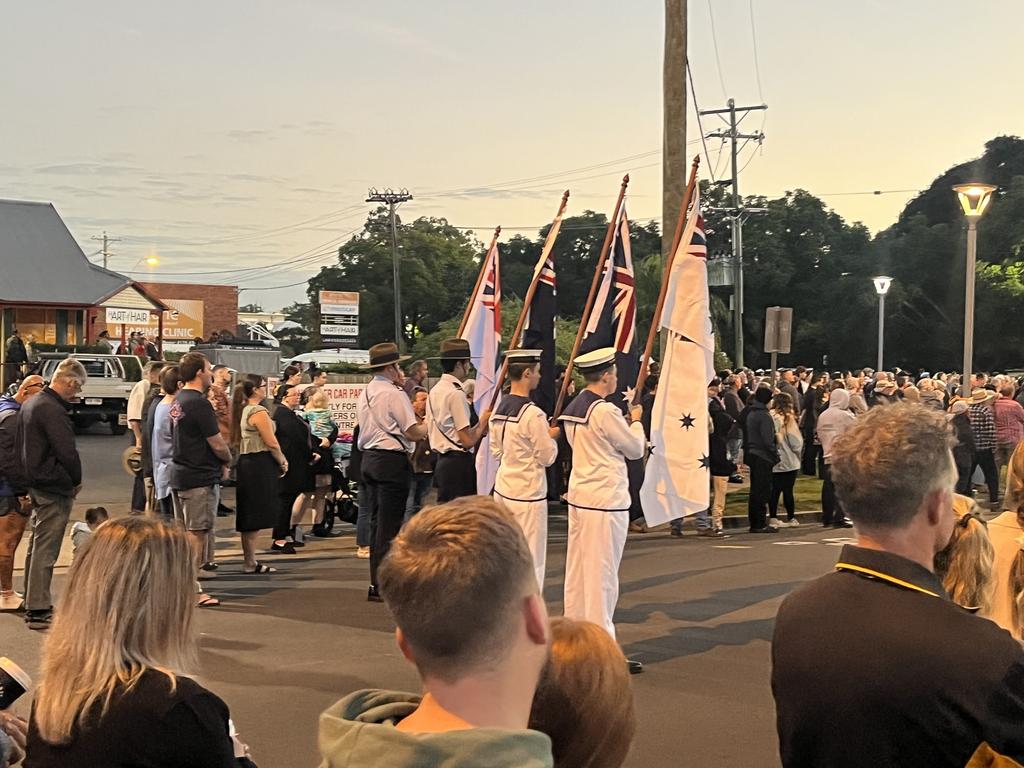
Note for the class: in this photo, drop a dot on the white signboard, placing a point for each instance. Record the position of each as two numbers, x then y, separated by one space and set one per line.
342 399
339 309
339 330
127 316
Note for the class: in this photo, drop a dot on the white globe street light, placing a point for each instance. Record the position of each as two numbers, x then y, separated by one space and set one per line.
974 199
882 285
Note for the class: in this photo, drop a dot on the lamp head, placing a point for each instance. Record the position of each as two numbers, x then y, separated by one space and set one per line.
882 284
152 260
974 198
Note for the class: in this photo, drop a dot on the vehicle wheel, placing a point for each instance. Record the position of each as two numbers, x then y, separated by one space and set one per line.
118 429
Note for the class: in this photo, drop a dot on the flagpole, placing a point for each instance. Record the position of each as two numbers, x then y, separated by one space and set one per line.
652 333
479 280
549 244
585 319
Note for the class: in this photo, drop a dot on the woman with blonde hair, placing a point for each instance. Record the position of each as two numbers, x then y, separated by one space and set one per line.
1007 534
965 566
584 701
791 446
115 688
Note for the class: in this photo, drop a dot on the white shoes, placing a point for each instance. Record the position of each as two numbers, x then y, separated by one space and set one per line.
363 553
774 522
10 601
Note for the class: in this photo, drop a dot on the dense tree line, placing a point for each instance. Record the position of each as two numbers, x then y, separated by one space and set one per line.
798 254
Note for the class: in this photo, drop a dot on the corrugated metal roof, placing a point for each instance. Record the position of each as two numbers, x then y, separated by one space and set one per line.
40 262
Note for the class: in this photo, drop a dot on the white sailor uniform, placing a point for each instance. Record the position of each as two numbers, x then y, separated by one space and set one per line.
598 497
521 442
447 414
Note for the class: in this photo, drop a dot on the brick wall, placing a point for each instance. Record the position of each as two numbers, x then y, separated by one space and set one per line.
220 302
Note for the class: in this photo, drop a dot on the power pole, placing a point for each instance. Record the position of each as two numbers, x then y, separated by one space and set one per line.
106 249
673 164
393 198
737 213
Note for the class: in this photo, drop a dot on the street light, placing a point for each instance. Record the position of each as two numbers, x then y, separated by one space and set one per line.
882 285
974 199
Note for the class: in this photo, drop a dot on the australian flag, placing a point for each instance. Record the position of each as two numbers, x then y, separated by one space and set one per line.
540 334
612 322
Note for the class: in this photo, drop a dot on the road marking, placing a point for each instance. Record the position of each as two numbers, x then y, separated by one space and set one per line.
838 542
794 543
731 546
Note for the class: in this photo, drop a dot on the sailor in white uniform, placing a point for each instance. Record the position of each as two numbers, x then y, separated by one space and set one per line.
525 445
598 496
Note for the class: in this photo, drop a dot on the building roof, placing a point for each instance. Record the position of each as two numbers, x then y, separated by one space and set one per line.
40 262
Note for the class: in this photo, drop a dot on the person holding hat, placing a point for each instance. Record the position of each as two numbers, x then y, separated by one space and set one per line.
388 431
983 427
452 434
598 496
524 444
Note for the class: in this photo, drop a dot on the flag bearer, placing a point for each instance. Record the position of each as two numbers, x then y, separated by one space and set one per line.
452 434
602 440
524 444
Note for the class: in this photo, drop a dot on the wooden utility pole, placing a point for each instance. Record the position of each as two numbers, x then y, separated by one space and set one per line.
673 161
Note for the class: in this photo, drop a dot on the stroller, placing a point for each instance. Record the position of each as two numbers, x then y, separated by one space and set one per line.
342 501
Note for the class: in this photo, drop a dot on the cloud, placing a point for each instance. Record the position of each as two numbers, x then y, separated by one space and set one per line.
87 169
250 134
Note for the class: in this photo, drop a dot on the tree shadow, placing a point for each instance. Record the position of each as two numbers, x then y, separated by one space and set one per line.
690 641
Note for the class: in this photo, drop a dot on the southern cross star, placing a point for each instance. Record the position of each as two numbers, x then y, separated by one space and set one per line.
705 462
687 421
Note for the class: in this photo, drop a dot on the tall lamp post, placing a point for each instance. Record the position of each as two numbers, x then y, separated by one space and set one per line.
882 285
974 199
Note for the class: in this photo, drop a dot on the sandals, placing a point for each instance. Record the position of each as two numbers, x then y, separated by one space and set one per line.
260 569
207 601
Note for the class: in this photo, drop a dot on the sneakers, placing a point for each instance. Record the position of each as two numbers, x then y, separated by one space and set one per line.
774 522
676 531
39 620
10 601
363 553
638 526
373 596
794 523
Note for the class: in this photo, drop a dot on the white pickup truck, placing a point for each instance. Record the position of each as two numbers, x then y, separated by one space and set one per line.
105 395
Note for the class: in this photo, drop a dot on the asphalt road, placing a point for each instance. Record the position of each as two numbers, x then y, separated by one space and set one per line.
282 648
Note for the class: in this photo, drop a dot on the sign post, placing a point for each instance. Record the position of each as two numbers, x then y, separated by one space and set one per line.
339 319
778 332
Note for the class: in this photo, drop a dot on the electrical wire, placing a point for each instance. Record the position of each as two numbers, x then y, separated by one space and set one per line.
700 123
757 64
718 59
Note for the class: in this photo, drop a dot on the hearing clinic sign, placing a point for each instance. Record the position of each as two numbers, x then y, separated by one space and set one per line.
182 322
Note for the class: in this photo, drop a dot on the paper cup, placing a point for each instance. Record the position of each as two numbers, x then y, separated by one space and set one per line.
14 682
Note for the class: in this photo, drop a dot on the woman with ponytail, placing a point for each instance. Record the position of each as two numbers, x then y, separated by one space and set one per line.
1007 534
965 565
260 468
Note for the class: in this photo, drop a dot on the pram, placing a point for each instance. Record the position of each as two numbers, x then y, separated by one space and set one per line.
342 501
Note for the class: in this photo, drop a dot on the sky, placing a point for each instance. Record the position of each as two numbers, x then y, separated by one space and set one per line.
236 139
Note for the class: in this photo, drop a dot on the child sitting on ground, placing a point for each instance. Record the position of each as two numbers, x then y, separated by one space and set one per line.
82 532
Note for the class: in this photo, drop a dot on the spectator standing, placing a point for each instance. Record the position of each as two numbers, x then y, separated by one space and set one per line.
931 683
261 464
1007 534
479 649
151 349
584 701
1009 418
45 441
983 427
734 404
808 419
115 686
366 504
963 449
762 453
832 423
104 344
422 459
200 458
299 482
15 506
416 377
220 398
15 358
791 445
788 385
139 402
965 565
161 443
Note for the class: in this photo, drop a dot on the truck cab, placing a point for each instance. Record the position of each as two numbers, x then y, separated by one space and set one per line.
104 398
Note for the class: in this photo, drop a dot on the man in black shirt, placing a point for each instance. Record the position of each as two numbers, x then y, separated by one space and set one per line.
874 665
201 456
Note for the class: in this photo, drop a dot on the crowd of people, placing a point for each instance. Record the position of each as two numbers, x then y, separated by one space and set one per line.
898 457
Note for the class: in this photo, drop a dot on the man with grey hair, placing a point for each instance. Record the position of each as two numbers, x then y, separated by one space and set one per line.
416 378
45 444
878 647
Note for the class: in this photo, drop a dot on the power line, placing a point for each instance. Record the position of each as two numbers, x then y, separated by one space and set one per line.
714 40
757 64
700 123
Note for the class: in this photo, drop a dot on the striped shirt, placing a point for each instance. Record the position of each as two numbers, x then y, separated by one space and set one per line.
983 424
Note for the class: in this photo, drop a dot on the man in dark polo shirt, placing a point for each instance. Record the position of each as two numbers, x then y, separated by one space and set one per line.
874 665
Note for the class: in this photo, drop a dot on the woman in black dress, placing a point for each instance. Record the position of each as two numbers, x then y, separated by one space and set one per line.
261 465
299 448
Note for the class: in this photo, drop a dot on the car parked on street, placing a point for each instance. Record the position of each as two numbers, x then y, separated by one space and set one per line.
105 395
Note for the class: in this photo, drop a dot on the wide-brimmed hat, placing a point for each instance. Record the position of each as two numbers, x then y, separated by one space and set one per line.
981 396
383 355
454 349
131 460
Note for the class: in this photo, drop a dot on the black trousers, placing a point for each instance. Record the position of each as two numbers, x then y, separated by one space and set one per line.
986 459
831 510
455 475
782 483
760 490
139 493
389 474
635 475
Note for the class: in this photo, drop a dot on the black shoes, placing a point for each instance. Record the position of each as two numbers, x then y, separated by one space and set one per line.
373 596
677 532
736 479
766 529
844 523
285 549
223 511
634 667
39 620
